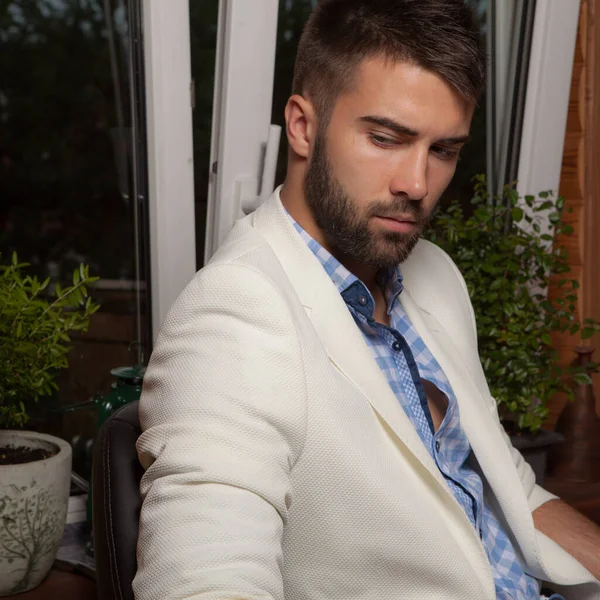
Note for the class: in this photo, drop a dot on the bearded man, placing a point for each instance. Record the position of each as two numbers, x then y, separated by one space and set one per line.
317 424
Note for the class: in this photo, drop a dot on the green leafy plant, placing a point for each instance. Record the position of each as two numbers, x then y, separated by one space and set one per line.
506 254
34 335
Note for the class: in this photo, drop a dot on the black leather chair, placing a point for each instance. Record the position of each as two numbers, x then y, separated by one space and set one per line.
116 503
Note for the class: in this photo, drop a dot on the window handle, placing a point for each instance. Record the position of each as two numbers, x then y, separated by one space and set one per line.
250 202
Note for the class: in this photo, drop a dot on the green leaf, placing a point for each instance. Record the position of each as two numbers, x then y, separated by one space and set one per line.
517 214
545 206
554 218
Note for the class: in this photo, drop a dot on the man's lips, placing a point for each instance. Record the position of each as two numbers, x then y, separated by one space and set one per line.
400 223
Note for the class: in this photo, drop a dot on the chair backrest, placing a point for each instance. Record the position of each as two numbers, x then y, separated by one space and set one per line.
116 503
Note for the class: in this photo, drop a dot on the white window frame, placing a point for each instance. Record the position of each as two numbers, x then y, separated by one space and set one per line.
548 92
170 151
243 141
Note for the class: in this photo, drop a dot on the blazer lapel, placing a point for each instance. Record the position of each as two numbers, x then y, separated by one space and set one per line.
349 352
481 429
337 330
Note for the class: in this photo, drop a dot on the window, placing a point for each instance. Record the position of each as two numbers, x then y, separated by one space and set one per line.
510 33
72 176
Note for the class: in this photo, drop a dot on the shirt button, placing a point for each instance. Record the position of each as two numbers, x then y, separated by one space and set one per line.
397 346
437 446
362 300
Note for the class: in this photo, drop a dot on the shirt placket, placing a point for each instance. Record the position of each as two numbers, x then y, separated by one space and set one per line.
449 448
416 407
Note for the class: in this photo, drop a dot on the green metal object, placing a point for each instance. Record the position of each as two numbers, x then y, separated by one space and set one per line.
126 389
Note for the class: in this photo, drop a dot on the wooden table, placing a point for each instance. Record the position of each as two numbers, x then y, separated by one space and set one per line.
63 582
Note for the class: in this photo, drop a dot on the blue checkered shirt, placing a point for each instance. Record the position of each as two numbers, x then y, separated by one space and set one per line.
405 360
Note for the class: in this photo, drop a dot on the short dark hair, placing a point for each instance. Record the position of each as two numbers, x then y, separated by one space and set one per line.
441 36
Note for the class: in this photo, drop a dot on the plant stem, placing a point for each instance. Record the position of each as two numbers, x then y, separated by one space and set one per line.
59 299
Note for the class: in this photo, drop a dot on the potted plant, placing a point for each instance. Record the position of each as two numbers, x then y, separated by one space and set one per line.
505 252
35 468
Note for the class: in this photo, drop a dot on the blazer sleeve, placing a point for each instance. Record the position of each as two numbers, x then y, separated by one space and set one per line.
536 495
223 414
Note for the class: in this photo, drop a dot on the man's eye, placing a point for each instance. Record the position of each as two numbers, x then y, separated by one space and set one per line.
383 141
445 153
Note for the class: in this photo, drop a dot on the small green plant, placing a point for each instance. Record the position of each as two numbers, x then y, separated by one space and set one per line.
34 335
507 258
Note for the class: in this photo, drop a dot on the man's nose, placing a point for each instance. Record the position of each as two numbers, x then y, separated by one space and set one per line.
410 179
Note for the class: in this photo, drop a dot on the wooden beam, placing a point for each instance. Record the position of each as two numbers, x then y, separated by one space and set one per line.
572 187
580 185
590 292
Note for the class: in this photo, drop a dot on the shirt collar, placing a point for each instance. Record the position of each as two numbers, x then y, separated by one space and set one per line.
345 281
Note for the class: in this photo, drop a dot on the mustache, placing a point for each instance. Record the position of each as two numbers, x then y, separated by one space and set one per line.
403 206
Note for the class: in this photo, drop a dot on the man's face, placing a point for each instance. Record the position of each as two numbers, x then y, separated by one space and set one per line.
388 152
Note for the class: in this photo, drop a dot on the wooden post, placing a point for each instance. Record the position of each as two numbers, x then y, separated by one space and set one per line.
580 185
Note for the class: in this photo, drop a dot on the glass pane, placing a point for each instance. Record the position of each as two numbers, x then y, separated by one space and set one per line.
72 156
203 34
473 159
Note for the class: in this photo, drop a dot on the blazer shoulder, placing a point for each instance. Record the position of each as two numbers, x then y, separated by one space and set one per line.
434 282
245 246
431 268
243 276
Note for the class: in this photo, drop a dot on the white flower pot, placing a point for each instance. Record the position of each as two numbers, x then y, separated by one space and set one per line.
33 510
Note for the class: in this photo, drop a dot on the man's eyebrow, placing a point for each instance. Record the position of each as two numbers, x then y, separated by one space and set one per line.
403 130
390 124
451 141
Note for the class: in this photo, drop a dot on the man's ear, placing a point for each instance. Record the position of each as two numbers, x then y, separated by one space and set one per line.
301 124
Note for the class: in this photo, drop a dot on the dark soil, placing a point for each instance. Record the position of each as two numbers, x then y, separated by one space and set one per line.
16 455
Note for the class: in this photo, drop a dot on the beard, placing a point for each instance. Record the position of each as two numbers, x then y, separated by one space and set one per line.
347 230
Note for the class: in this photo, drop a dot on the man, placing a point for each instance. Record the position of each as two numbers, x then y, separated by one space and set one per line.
317 424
